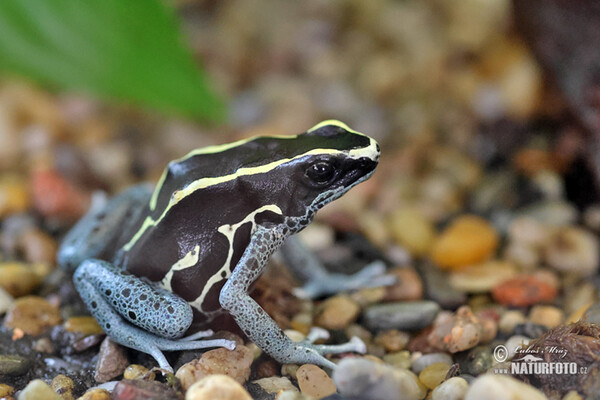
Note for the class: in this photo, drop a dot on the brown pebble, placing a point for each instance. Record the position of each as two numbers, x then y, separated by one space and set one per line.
38 247
63 385
143 390
265 368
409 285
18 279
32 314
55 197
85 325
337 312
392 340
44 345
96 394
456 332
6 390
14 196
136 371
523 291
233 363
214 387
112 361
314 382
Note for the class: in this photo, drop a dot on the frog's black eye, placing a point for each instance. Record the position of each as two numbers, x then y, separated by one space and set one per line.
321 172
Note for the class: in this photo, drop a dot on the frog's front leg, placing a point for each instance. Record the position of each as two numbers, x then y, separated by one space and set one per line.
318 281
137 314
255 322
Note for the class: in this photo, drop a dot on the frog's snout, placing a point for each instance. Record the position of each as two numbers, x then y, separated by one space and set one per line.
367 164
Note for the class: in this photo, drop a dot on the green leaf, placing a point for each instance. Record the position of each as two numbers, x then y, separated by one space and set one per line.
130 50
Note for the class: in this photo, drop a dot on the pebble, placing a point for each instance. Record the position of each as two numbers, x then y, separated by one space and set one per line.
143 390
516 342
63 385
6 301
32 315
434 374
482 278
548 316
314 382
553 212
233 363
592 314
136 371
478 361
400 359
14 365
276 384
402 315
509 320
392 340
530 329
18 279
38 389
112 361
363 379
38 247
524 290
337 312
454 388
6 390
499 387
467 240
96 394
408 286
412 230
86 325
14 196
214 387
438 288
369 296
55 197
456 332
574 250
529 232
426 360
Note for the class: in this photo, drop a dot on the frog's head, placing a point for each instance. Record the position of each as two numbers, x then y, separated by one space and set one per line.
293 176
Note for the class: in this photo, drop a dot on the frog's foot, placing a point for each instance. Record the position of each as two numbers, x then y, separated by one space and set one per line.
198 335
307 353
372 275
315 334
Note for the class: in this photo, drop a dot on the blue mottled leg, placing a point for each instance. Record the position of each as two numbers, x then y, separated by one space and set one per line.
136 314
319 282
255 322
100 228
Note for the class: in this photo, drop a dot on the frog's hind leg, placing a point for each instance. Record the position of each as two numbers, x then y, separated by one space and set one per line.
99 230
137 314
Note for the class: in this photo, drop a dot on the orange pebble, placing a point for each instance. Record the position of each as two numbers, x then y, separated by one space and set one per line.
523 291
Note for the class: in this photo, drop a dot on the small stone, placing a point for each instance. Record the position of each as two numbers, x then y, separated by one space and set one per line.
13 365
32 315
392 340
96 394
529 232
276 384
265 368
112 361
509 320
63 385
408 286
515 343
220 387
524 290
44 345
454 388
14 196
314 382
146 390
434 374
337 312
233 363
136 371
592 314
574 250
412 230
548 316
6 301
55 197
85 325
363 379
409 316
572 395
499 387
482 278
6 390
400 359
466 241
38 247
369 296
424 361
525 256
38 389
456 332
477 361
438 288
18 279
530 329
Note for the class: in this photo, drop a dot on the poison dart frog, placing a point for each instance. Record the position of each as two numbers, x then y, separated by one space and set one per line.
149 261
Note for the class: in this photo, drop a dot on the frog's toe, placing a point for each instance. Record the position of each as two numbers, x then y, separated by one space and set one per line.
198 335
317 333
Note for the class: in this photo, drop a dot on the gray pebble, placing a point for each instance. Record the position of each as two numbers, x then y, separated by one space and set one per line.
530 330
13 365
427 359
438 289
592 314
410 316
477 361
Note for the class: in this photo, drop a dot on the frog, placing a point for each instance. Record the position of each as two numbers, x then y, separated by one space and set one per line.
151 261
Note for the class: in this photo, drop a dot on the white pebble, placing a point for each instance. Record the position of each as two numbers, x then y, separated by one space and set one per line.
499 387
453 389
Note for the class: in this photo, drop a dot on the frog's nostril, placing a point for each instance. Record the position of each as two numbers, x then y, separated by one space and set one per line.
378 148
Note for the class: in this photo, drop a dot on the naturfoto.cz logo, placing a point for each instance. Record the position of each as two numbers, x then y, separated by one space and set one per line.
527 361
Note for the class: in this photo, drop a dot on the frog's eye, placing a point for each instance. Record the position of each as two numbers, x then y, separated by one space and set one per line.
321 172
